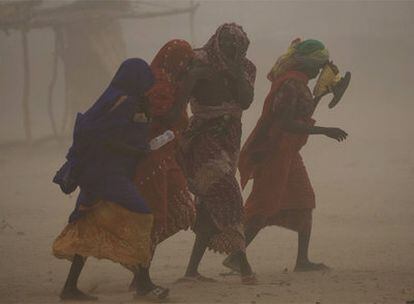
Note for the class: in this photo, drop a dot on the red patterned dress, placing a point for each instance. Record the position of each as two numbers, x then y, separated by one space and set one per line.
159 178
282 194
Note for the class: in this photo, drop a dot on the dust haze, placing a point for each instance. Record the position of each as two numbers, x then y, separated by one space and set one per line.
364 219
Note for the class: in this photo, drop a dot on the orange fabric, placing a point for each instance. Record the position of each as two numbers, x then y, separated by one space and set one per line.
280 178
108 231
256 142
159 178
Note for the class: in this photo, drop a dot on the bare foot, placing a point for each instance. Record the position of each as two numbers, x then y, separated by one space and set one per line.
249 280
76 295
195 278
133 284
231 263
309 266
156 293
230 273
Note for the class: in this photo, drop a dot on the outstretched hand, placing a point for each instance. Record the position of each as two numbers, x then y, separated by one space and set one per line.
336 133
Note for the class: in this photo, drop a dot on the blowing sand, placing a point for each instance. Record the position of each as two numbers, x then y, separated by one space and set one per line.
363 229
364 220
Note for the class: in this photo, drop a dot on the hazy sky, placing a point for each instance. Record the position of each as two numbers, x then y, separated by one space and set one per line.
372 39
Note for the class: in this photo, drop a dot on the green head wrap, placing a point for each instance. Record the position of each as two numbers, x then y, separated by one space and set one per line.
309 54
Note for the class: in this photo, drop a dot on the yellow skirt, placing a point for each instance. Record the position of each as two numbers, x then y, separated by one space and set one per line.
108 231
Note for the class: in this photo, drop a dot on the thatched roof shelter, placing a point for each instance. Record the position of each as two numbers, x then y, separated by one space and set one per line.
102 37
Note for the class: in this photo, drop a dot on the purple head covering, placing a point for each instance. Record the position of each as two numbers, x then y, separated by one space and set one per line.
91 164
133 78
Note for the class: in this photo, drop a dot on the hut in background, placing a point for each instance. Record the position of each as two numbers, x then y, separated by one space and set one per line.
88 45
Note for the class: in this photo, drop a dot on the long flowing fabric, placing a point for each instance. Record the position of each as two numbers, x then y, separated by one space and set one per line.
111 220
209 151
159 178
281 194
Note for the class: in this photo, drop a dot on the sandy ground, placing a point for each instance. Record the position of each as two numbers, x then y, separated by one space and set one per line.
370 246
364 220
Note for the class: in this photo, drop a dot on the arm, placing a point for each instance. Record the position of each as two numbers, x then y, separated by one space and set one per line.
184 94
290 124
243 92
242 89
119 146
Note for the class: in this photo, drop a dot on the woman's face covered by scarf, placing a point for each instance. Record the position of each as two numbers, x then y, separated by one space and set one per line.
169 67
229 43
133 78
174 59
311 56
307 56
228 46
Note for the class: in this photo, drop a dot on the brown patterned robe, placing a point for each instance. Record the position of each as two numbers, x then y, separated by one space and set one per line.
211 144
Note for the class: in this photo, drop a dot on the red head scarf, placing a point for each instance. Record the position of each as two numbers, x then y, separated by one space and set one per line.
169 64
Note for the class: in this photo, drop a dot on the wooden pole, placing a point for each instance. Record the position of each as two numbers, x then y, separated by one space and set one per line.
191 15
26 89
66 110
52 85
68 15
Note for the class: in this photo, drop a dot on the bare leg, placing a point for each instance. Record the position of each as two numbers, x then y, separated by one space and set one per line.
145 287
143 283
303 247
70 290
203 230
302 261
136 271
245 268
238 262
199 248
235 260
133 282
250 233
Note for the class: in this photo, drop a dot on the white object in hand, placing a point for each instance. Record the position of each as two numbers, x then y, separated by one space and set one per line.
161 140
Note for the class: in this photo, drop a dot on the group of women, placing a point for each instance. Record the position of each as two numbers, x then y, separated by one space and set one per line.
133 197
